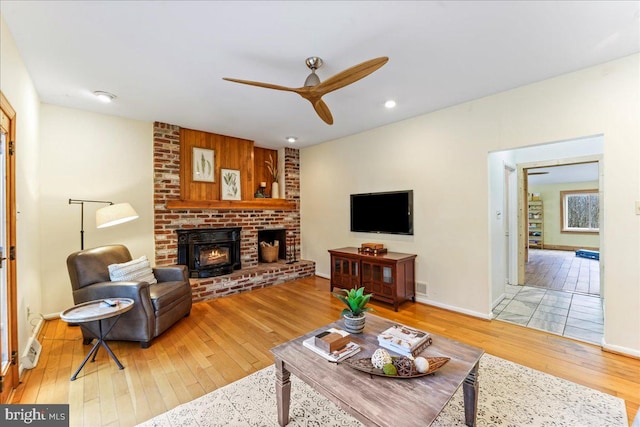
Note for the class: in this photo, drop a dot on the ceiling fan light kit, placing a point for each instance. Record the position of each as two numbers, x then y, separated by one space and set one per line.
312 80
313 89
313 62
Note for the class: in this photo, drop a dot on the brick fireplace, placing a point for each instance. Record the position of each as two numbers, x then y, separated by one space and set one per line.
252 275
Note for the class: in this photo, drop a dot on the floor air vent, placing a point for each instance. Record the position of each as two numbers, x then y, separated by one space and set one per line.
30 360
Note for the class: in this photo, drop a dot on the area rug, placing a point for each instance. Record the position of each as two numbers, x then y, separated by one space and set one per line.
510 395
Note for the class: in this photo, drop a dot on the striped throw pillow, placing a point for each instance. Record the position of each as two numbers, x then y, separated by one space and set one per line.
137 270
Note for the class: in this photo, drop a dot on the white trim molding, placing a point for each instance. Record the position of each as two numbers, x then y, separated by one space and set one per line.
427 301
620 350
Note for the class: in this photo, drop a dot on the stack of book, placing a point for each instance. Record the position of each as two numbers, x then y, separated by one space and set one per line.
333 344
404 340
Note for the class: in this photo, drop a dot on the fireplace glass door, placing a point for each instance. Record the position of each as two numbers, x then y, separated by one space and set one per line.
212 255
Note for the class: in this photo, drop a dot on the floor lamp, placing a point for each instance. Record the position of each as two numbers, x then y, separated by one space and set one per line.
113 214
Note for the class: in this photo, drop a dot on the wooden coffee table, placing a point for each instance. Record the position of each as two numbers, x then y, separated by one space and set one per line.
376 400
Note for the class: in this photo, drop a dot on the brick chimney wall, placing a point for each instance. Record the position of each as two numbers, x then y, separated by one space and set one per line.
166 163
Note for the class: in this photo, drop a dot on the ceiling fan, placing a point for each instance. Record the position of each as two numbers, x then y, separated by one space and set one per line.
313 90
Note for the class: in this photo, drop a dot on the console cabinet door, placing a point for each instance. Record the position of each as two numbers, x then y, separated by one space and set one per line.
379 279
345 273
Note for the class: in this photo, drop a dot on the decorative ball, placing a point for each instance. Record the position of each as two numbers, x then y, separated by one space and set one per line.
380 358
405 366
389 369
422 364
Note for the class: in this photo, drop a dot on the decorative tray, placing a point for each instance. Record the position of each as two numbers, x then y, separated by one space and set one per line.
365 365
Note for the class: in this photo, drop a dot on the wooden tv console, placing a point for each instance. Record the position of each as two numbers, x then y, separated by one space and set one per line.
390 277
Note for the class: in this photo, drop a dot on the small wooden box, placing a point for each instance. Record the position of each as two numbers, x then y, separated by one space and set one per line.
332 342
374 246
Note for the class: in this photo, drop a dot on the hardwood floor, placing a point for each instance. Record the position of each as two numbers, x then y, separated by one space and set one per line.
562 271
228 338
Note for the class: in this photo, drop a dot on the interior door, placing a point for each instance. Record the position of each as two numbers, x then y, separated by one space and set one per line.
8 312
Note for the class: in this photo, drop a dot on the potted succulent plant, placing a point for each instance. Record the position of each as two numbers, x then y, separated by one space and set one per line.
356 301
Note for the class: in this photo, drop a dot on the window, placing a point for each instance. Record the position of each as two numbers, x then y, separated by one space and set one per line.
580 211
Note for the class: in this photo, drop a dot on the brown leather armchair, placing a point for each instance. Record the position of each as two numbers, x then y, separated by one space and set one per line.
156 307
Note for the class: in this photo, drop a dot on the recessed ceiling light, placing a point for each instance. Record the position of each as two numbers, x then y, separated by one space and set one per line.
390 103
291 139
104 96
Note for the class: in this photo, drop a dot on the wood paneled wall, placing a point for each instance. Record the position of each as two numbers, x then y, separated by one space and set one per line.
260 155
230 153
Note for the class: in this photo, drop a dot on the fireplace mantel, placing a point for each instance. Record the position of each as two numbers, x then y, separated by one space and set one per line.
279 204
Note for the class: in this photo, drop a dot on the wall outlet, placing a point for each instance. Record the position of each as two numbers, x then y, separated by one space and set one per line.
421 288
637 207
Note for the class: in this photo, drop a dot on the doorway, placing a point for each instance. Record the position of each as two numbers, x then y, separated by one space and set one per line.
548 298
8 290
517 302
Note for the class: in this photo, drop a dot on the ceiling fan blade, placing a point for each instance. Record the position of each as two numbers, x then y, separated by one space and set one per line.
260 84
314 93
323 111
350 75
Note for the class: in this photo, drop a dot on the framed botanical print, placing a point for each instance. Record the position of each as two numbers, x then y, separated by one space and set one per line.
230 184
203 165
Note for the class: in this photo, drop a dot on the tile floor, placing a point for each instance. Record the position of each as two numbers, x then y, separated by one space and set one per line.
568 314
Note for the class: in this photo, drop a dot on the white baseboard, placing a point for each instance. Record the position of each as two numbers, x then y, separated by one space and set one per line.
324 276
621 350
427 301
498 301
51 316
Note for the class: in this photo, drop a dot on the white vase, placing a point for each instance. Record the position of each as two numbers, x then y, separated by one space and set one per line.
275 191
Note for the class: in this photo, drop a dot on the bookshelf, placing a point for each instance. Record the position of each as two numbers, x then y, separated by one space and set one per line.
536 224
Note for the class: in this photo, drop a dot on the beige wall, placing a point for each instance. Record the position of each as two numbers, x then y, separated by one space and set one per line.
442 156
550 196
17 86
64 153
96 157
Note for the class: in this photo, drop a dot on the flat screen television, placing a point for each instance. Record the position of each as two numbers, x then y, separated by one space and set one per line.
390 212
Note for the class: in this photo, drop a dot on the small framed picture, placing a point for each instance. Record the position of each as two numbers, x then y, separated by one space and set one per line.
230 184
203 165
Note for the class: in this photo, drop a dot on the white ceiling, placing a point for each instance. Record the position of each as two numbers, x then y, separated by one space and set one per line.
582 172
165 59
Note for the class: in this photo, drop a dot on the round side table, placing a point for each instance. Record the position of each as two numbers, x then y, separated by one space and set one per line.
96 311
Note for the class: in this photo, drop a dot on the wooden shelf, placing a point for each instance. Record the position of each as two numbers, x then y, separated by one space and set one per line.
536 224
277 204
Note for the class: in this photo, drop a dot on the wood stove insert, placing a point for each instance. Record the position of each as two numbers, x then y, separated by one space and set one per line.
209 252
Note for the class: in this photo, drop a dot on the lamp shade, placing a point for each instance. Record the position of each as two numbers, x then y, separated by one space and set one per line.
115 214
